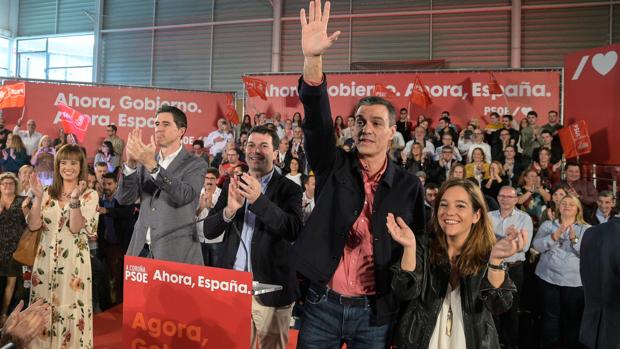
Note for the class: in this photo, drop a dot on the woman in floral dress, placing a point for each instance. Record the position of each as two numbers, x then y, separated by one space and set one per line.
61 275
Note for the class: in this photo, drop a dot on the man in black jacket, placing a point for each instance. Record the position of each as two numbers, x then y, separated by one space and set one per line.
114 233
260 214
600 274
344 249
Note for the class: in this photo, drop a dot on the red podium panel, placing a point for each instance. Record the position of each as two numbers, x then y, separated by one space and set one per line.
172 305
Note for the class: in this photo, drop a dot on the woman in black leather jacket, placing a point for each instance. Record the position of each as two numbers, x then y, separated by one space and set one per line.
453 280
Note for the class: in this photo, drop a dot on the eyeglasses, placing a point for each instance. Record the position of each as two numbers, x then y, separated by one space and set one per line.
210 177
7 183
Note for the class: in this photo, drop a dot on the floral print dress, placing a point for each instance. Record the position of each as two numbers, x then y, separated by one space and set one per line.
62 276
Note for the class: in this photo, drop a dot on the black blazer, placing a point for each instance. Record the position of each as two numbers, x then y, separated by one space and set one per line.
600 275
123 220
278 222
339 199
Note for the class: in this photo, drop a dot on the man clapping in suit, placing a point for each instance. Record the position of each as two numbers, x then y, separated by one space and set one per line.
261 215
168 183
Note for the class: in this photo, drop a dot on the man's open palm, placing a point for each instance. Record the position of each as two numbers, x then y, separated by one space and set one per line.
314 39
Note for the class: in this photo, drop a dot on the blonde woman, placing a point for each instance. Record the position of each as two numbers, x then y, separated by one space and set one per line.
67 213
14 156
560 288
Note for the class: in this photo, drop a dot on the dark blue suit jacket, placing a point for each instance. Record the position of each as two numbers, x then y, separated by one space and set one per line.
600 275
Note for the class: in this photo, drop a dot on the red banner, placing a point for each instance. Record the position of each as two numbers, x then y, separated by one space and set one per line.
494 87
73 122
255 87
126 107
231 112
12 96
175 305
464 94
420 96
591 93
575 140
384 92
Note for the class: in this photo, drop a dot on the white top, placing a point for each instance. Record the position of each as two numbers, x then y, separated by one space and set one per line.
31 141
456 339
295 178
203 214
216 141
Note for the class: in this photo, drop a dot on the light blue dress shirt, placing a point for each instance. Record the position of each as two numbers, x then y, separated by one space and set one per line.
249 219
520 220
559 260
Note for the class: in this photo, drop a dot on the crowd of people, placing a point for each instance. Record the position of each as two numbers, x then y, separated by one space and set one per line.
381 229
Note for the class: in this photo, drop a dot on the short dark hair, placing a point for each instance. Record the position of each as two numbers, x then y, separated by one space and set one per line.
375 100
110 175
546 131
199 142
112 126
213 171
507 116
531 112
494 113
574 164
101 164
403 110
445 119
430 186
265 130
179 117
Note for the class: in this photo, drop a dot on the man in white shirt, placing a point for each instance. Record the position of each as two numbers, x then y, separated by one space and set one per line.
216 140
30 137
477 142
506 221
419 136
168 184
208 197
307 200
446 140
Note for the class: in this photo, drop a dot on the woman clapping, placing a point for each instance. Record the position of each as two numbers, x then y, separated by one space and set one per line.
454 279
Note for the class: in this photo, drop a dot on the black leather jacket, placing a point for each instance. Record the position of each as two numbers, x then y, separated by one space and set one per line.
425 289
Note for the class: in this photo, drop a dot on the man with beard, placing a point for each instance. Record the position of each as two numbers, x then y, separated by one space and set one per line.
209 195
345 250
114 233
261 216
168 183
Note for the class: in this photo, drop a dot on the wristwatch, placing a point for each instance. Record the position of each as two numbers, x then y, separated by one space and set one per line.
502 266
154 170
574 240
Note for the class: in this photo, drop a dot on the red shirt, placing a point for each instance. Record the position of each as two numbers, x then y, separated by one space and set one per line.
355 275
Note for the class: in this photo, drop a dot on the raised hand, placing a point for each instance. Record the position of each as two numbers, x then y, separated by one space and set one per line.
79 189
251 189
35 186
513 242
235 199
400 231
314 39
140 152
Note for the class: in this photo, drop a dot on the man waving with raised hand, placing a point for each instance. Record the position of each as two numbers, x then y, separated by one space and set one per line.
345 250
